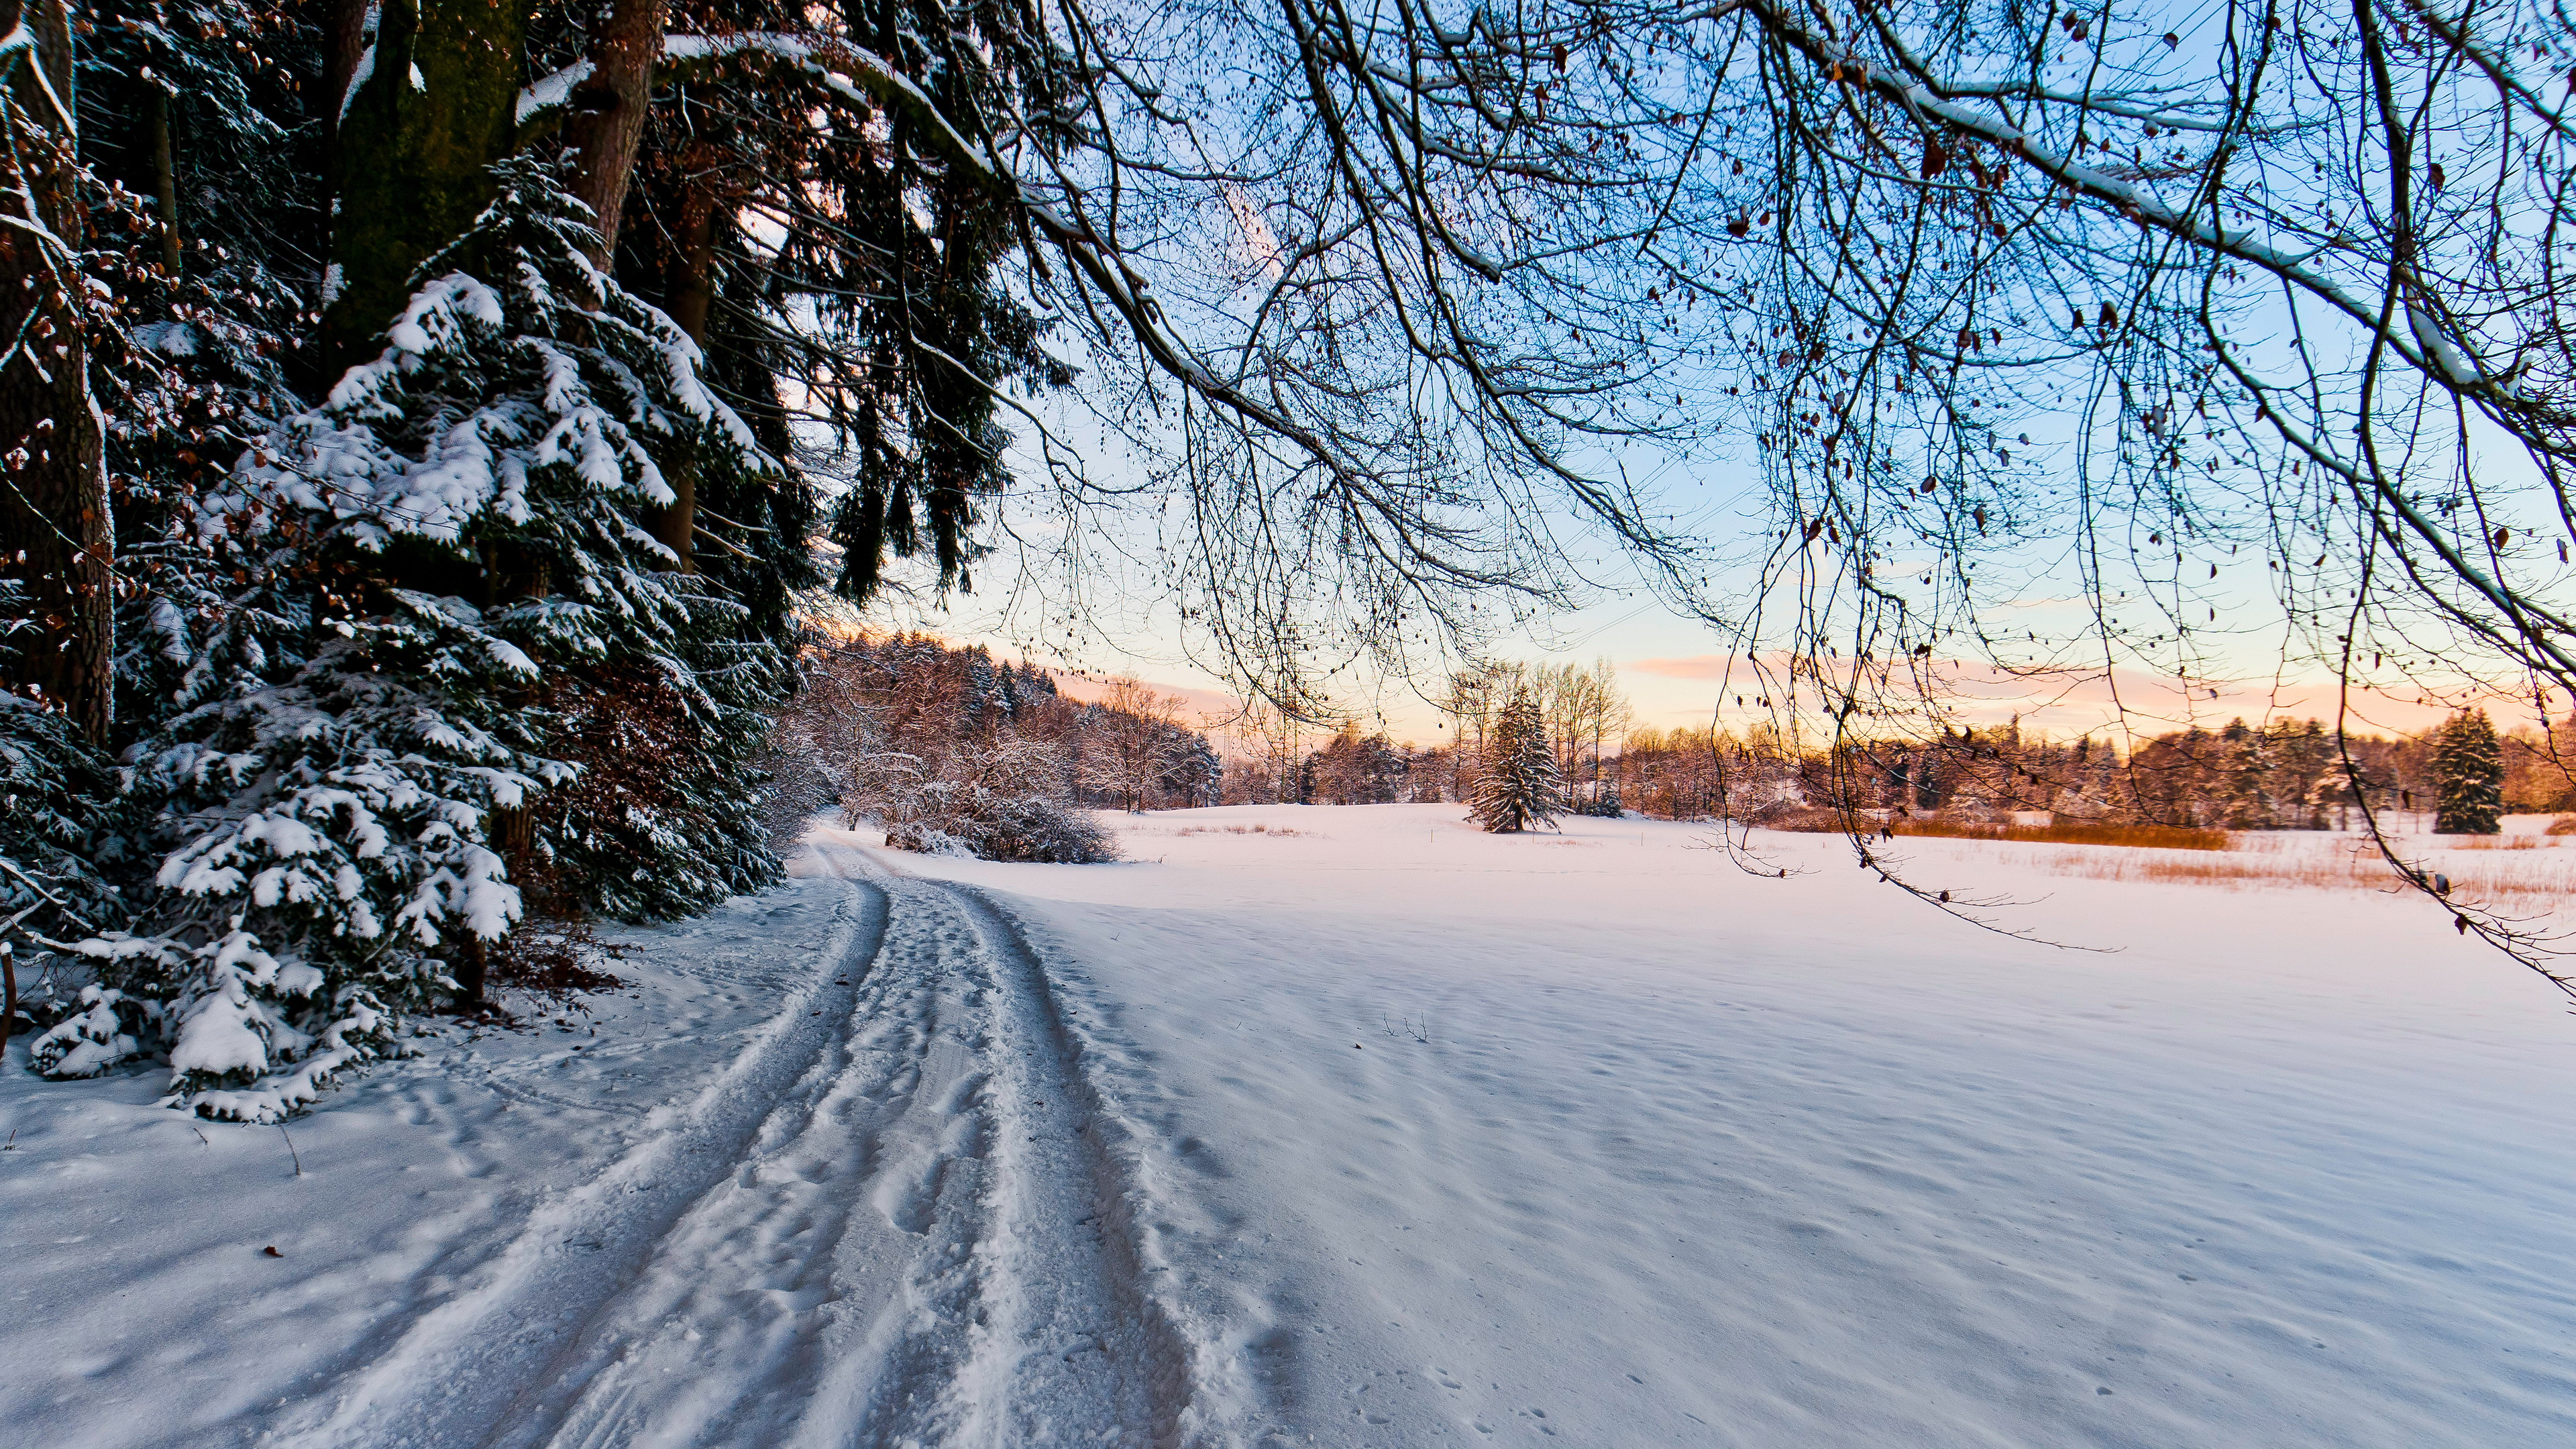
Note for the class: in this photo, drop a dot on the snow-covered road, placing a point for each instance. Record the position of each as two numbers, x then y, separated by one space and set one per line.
913 1149
1360 1129
886 1214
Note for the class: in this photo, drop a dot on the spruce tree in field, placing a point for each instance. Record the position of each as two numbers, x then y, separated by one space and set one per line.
1520 787
2244 802
2468 776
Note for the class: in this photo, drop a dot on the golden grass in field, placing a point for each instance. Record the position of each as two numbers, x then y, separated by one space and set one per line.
2491 871
2155 837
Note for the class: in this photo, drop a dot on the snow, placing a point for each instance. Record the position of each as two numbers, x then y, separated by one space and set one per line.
364 72
551 92
1380 1132
170 339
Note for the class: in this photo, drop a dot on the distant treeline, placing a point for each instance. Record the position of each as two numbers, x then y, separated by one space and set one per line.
2288 775
901 726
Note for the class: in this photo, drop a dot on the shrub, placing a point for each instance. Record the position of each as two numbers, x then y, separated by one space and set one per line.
997 802
2155 837
1005 827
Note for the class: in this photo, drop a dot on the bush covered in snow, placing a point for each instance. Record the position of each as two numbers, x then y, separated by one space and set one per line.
997 801
1005 827
952 752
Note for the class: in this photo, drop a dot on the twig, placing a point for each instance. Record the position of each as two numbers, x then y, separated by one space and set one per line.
290 1149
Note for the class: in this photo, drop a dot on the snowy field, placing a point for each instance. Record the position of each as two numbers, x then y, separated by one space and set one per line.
1354 1126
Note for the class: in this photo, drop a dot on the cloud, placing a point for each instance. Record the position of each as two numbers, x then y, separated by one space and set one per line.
1204 708
1698 666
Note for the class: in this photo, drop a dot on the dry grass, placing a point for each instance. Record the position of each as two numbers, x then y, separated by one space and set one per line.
2344 874
2153 837
2517 880
1276 832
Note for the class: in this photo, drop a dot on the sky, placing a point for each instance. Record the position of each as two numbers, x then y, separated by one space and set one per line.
1673 671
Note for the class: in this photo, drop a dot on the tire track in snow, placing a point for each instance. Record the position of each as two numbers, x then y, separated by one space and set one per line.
461 1373
1079 1344
830 1293
989 1299
900 1222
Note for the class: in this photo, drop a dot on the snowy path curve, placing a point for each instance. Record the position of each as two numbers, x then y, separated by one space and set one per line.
892 1220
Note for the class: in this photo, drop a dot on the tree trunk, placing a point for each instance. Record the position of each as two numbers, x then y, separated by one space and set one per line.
514 839
165 180
344 40
56 530
691 293
608 113
469 962
438 106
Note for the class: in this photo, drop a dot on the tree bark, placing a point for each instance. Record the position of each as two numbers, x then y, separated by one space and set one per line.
606 130
436 109
56 530
165 180
514 838
690 291
469 963
344 40
609 108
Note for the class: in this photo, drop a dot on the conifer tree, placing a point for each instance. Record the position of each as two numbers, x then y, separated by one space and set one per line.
1195 773
1520 788
55 792
2246 803
2468 776
438 610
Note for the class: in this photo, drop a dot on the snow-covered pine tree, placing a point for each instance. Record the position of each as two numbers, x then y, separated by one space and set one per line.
2468 776
2246 766
458 615
657 682
1602 801
1193 773
55 793
1519 788
981 691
